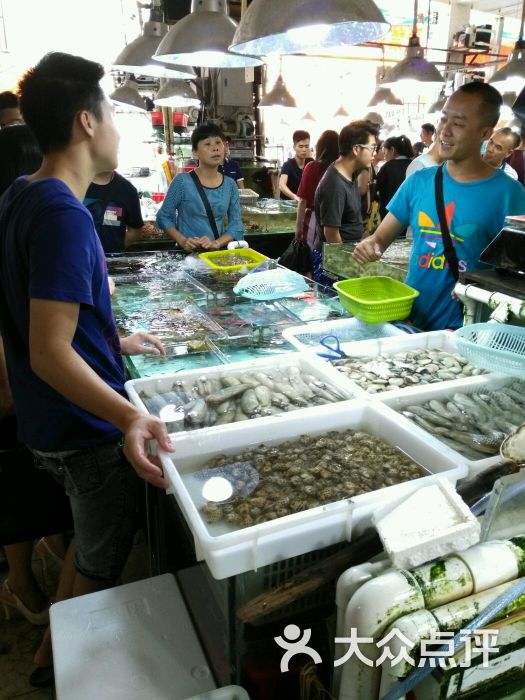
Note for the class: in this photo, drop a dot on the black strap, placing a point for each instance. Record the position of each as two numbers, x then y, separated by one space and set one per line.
205 201
448 249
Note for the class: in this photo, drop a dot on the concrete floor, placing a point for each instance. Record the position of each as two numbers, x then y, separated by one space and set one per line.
19 638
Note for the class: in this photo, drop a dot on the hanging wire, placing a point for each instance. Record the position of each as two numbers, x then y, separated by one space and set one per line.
522 21
414 23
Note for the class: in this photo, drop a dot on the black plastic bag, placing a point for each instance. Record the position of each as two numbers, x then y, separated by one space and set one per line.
297 257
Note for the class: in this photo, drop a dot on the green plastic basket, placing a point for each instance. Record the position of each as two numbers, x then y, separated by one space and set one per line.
493 346
376 299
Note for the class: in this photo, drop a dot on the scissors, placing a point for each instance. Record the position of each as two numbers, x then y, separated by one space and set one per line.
334 348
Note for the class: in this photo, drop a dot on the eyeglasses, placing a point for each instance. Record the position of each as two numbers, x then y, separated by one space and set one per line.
372 147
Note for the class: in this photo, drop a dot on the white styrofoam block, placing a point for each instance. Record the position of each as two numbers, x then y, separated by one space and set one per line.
431 522
399 400
229 551
130 642
306 363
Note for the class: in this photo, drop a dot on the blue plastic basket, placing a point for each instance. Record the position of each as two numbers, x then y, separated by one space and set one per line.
492 346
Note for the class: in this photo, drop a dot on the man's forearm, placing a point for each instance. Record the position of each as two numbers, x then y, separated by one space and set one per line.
332 234
59 365
387 230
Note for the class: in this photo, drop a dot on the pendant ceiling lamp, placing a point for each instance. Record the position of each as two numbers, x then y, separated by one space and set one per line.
308 117
127 95
414 67
511 78
299 26
278 96
437 106
202 39
136 57
341 112
384 96
175 93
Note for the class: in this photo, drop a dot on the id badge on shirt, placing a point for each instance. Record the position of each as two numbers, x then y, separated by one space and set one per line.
112 216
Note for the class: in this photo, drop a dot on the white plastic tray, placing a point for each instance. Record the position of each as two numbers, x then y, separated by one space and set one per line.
307 336
440 340
311 365
419 395
247 549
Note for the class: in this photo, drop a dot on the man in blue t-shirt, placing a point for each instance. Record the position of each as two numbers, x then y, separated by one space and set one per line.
477 200
63 353
231 167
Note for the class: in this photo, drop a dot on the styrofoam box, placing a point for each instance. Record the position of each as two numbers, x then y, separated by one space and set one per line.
418 395
229 692
439 340
308 364
235 551
307 336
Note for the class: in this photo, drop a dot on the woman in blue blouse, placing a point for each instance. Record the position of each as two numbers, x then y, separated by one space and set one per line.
183 215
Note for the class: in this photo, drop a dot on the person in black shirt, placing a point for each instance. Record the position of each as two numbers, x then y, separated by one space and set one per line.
115 207
231 167
292 169
398 154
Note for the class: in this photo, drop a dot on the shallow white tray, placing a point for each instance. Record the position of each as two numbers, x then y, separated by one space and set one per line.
307 336
307 363
419 395
234 551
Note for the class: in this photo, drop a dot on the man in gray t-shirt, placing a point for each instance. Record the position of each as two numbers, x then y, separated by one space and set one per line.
337 201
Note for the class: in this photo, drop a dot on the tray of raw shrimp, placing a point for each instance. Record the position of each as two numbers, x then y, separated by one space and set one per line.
471 417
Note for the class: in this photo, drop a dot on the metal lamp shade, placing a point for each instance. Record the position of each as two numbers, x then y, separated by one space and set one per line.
274 26
128 95
202 39
384 96
437 106
341 112
413 67
136 57
511 78
278 96
175 93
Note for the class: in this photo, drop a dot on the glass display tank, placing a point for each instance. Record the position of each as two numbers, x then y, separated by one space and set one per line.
338 260
269 215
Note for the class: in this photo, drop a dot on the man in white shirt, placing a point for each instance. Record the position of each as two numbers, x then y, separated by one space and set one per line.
499 148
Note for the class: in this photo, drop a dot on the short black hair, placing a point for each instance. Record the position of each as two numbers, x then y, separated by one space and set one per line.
300 135
418 147
490 98
19 154
401 145
54 92
429 127
327 147
8 100
204 131
355 133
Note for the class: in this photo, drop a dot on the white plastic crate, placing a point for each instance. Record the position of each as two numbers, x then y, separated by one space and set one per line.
419 395
233 552
307 336
439 340
306 363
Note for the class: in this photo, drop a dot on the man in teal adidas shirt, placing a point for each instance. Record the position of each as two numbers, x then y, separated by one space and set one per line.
477 200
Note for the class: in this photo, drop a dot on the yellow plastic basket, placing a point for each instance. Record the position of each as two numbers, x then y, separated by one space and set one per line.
222 259
376 299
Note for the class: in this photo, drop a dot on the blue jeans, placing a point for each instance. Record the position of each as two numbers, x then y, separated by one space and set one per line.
102 488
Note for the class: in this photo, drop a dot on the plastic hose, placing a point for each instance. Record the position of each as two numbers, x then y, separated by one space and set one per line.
480 506
486 616
405 327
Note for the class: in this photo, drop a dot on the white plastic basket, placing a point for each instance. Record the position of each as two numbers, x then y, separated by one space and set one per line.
307 336
494 346
246 549
306 364
391 345
419 395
